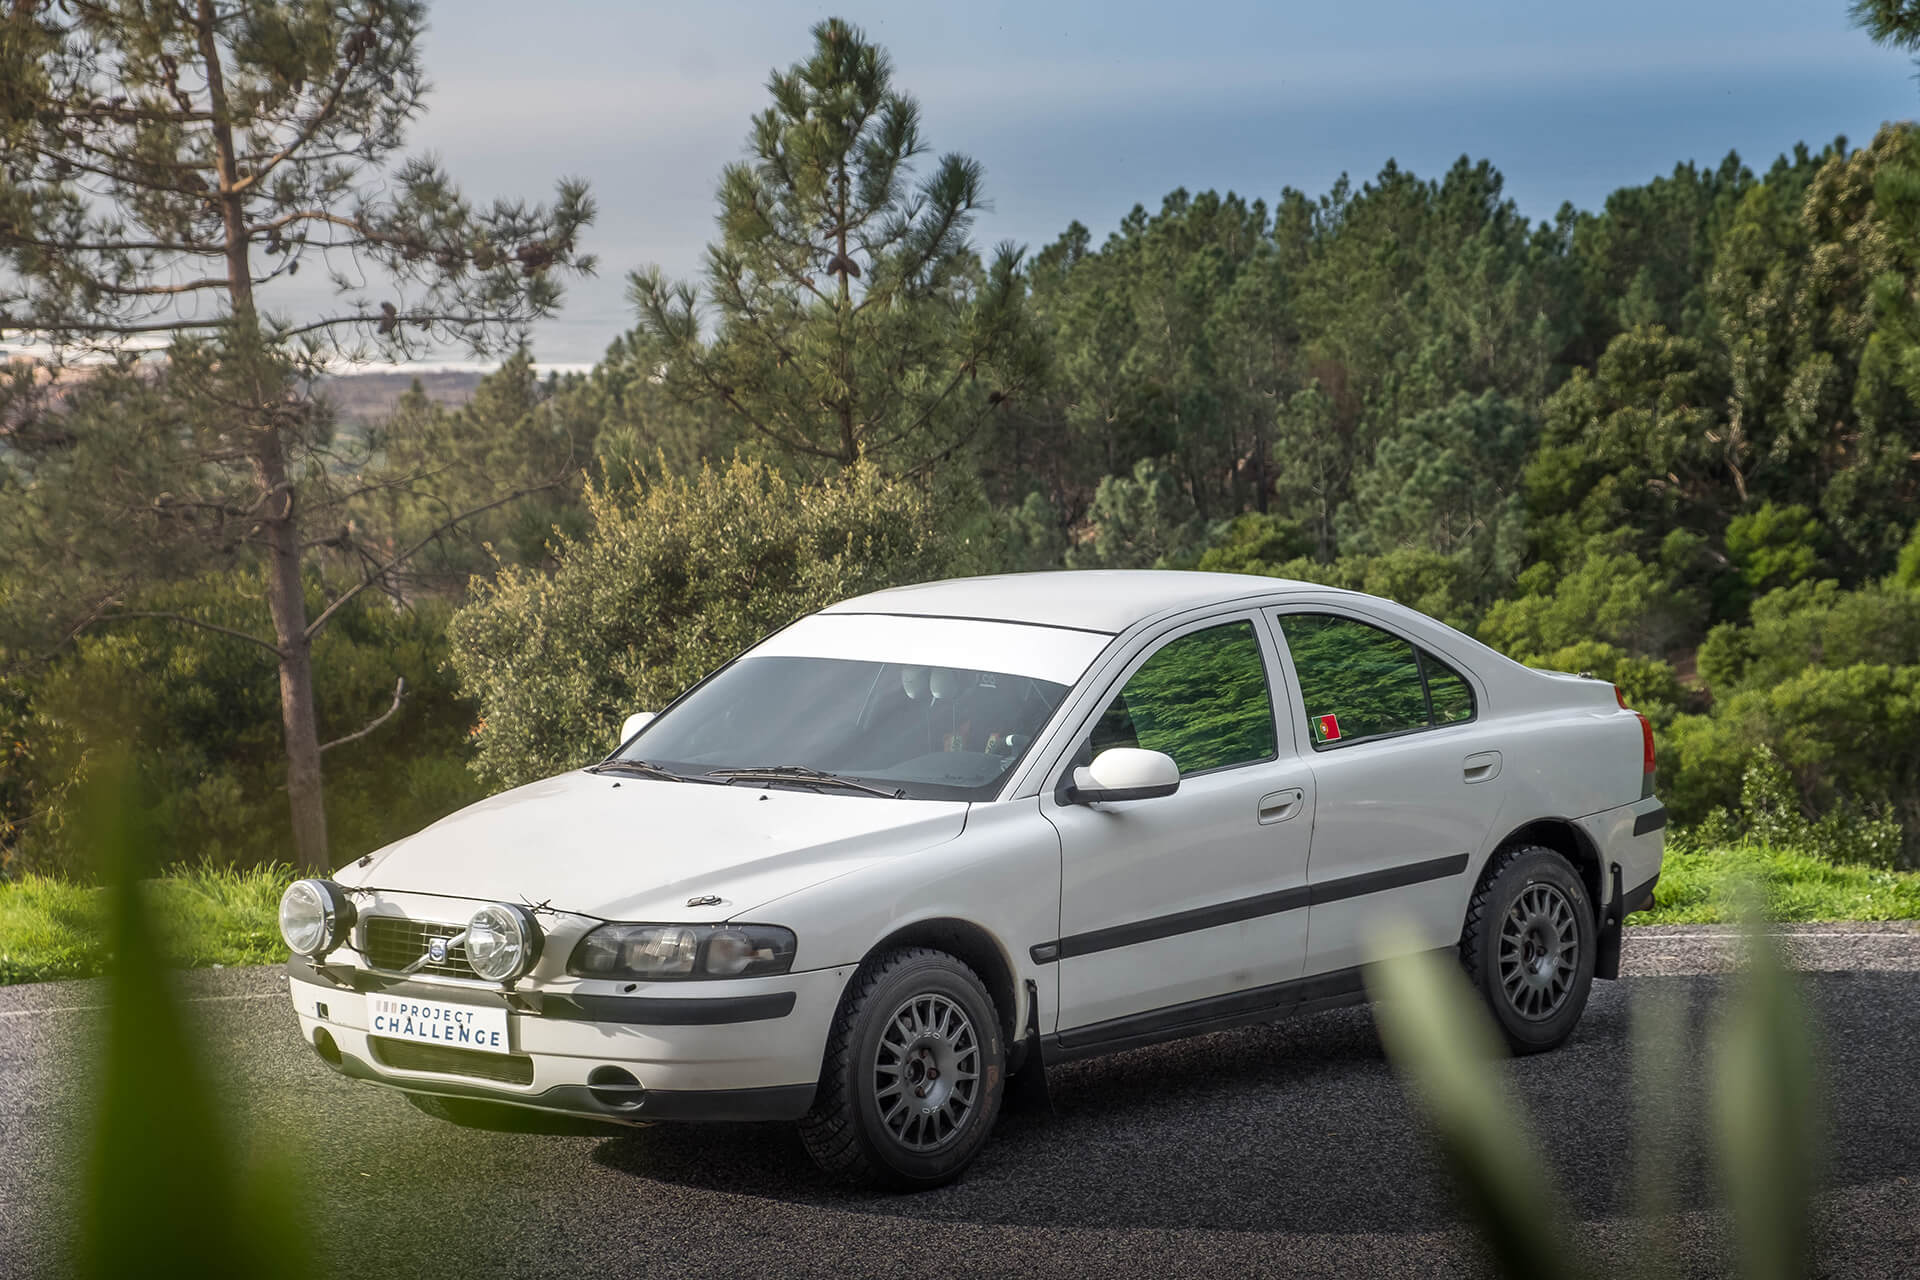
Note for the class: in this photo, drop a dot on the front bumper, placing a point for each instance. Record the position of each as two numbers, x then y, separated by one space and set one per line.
730 1050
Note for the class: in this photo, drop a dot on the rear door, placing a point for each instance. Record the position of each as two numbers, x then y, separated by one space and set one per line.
1407 781
1201 893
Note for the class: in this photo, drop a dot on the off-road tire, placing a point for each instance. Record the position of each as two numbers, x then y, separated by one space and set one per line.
844 1132
1517 879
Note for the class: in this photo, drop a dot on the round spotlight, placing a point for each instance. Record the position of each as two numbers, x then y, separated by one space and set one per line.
502 941
315 916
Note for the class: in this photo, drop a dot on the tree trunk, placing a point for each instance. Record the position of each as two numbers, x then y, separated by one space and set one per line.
849 443
286 600
286 594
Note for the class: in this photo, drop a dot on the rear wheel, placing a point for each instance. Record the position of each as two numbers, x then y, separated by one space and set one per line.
913 1075
1529 944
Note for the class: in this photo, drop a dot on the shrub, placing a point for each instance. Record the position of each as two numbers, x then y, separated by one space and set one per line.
1142 521
1610 593
673 578
1770 815
198 714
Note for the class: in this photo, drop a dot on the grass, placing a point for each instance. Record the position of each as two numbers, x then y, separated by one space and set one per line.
49 928
1698 885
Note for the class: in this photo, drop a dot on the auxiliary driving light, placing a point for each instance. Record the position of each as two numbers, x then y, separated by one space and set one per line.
502 941
315 916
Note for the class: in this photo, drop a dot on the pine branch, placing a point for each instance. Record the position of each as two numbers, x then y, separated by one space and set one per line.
378 575
399 692
269 646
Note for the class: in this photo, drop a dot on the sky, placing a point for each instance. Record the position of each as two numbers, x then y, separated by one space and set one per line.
1081 110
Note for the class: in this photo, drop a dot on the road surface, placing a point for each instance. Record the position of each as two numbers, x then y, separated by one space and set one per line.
1272 1150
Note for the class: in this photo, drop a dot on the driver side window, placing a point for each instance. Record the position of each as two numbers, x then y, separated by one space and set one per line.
1201 698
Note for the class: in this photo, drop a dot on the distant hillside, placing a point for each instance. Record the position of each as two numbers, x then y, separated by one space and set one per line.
366 398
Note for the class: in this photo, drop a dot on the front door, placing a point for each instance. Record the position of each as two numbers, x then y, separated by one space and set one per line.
1200 893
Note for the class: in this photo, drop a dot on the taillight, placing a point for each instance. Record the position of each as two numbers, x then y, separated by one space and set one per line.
1620 698
1646 744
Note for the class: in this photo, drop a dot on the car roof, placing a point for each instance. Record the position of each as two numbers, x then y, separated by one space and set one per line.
1103 600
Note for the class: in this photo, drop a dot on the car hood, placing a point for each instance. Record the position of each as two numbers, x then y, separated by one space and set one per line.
626 848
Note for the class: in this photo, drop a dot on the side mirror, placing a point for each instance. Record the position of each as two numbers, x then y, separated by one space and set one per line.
1125 773
635 723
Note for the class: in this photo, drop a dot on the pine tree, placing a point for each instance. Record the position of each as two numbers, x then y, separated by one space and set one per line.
851 316
164 167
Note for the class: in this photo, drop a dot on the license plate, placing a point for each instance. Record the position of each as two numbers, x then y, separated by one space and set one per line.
457 1026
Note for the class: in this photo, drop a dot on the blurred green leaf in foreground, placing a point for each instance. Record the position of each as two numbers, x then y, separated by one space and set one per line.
166 1191
1764 1114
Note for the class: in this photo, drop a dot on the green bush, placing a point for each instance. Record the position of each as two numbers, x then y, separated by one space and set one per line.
199 716
1812 624
1142 521
1771 814
672 579
1610 593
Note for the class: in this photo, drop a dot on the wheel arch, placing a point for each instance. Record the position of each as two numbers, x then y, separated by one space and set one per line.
974 946
1571 843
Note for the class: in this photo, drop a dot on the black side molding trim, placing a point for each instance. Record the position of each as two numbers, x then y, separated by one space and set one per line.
1265 904
1391 878
1126 935
1652 820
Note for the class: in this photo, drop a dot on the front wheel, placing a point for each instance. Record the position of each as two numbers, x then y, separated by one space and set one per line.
1529 945
913 1075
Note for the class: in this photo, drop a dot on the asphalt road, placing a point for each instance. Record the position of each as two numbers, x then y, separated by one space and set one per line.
1273 1150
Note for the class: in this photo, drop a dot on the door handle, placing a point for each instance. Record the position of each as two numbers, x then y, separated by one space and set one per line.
1278 806
1482 766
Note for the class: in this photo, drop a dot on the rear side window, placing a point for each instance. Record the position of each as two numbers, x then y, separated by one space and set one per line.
1358 681
1201 698
1452 696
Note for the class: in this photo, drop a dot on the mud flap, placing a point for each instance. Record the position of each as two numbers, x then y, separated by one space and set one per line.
1606 963
1027 1083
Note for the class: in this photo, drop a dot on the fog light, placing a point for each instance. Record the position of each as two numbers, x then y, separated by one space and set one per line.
324 1046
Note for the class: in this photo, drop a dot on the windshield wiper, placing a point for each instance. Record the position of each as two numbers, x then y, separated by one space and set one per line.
800 773
639 767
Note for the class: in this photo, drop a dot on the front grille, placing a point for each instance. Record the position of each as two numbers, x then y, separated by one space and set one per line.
394 942
410 1055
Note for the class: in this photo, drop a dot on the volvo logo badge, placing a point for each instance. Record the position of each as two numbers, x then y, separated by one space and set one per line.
437 950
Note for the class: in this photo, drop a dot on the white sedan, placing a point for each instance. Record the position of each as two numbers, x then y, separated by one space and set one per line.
930 837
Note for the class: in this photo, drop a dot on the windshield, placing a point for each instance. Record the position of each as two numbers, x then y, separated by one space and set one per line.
935 733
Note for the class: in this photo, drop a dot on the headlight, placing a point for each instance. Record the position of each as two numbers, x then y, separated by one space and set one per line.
502 941
315 916
663 952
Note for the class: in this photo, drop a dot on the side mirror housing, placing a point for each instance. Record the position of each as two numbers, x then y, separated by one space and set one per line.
635 723
1125 773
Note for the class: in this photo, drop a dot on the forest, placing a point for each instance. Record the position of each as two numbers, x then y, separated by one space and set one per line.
1673 441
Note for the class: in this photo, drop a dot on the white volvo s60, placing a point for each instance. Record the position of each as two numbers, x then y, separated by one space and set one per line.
930 837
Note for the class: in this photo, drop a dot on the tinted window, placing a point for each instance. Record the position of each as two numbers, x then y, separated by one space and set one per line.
1201 698
1357 681
1448 689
